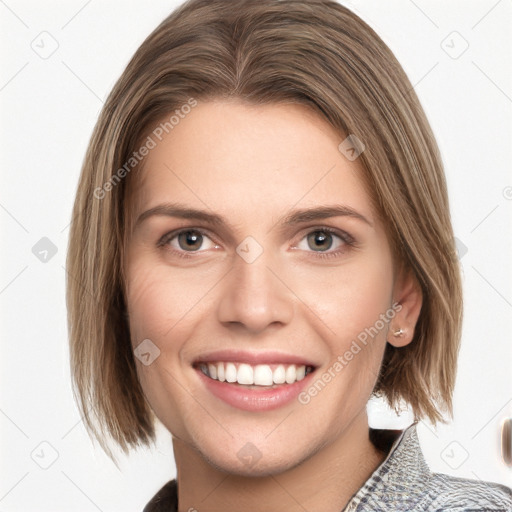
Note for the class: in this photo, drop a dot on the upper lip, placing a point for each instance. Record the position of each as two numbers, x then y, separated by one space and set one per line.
253 358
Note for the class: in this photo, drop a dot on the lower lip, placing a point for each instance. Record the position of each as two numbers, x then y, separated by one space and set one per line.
255 399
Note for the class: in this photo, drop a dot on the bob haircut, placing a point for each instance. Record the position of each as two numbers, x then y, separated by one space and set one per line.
311 52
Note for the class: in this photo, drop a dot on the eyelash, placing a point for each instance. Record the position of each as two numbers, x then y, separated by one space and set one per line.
346 238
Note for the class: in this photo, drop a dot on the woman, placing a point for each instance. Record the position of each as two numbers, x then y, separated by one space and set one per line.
261 240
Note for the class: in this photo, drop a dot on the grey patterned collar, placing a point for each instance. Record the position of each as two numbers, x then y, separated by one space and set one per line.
399 482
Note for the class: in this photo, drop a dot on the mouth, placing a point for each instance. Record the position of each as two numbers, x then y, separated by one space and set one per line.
255 376
254 382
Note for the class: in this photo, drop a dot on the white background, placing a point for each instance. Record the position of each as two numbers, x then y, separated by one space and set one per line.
48 109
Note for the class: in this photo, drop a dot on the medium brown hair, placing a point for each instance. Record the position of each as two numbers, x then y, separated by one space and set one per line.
312 52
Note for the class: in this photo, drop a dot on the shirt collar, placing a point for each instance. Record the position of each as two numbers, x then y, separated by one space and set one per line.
399 482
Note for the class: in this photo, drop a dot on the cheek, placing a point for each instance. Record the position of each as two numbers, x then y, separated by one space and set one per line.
161 302
161 311
350 298
148 306
350 303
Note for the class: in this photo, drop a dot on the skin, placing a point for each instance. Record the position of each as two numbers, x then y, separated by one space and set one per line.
253 165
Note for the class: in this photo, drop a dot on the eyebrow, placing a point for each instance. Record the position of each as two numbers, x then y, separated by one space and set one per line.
293 218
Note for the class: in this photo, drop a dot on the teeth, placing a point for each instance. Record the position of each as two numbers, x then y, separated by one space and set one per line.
263 375
220 372
279 375
230 372
291 374
245 375
258 375
212 370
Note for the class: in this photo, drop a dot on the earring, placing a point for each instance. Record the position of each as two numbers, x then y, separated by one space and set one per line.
398 333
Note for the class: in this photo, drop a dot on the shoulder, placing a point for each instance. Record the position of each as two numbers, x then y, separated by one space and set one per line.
405 482
165 500
450 493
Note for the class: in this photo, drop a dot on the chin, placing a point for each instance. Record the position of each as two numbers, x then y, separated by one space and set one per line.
265 466
243 458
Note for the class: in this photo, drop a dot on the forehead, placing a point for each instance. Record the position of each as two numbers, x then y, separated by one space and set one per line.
232 156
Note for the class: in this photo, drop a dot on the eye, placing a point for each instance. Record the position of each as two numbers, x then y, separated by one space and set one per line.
188 240
325 240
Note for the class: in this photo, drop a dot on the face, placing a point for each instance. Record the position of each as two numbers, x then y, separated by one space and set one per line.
254 268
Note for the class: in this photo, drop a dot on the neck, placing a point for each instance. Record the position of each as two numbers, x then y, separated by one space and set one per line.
324 482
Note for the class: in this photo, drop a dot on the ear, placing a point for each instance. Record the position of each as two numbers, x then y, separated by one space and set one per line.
408 294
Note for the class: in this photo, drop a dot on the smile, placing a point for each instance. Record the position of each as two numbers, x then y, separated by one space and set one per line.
255 375
254 381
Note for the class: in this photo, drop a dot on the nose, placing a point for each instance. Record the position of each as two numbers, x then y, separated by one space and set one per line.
255 296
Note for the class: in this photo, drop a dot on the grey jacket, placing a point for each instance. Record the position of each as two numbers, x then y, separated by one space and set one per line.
402 483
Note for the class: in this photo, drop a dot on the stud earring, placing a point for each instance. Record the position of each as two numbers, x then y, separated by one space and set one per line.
398 333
